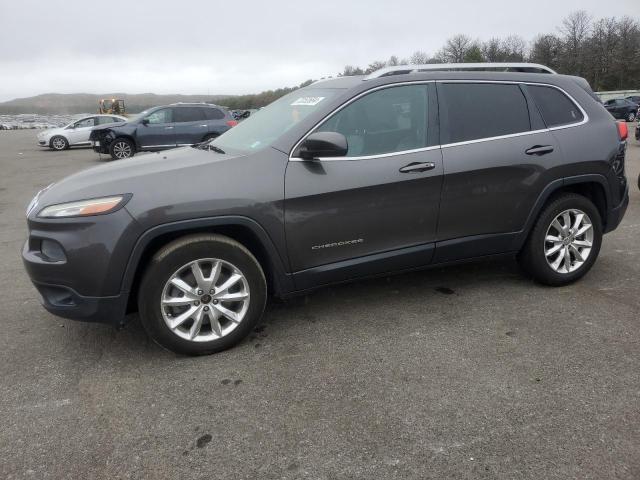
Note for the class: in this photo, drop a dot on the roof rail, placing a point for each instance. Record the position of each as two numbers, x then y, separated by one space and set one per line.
504 67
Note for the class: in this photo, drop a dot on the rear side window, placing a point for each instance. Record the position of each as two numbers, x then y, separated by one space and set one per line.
555 107
213 113
483 110
187 114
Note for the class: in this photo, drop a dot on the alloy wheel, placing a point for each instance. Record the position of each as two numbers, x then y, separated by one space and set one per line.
631 117
205 300
568 241
122 150
59 143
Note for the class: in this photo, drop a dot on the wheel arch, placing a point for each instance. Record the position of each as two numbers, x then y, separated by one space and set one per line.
242 229
592 186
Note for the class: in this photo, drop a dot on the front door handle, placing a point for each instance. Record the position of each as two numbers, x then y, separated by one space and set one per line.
417 167
168 128
539 150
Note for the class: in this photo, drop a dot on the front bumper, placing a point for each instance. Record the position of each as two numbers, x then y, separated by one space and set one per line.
66 303
77 264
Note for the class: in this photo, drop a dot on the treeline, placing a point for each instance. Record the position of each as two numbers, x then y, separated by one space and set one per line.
605 51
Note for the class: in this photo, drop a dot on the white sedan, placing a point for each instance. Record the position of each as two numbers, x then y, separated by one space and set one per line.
76 133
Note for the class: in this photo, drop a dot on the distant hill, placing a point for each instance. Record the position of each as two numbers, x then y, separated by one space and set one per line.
67 103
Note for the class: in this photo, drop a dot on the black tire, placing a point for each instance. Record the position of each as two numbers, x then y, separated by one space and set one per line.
59 143
179 253
122 148
532 256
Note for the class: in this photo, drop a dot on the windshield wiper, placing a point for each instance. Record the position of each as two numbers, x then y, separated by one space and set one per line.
207 146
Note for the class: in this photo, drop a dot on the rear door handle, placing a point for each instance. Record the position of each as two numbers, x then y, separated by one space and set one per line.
539 150
417 167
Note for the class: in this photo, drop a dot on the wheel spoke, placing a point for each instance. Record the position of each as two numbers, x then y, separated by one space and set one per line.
230 314
199 276
232 296
566 217
215 323
583 243
552 238
197 324
556 263
585 228
214 275
576 253
180 319
177 301
556 224
578 221
231 281
567 259
553 249
184 287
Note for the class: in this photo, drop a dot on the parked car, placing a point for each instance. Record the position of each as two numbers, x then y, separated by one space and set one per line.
344 179
622 108
634 98
160 128
75 133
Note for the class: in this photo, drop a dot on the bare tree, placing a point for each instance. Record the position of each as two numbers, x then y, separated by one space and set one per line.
419 57
575 29
455 48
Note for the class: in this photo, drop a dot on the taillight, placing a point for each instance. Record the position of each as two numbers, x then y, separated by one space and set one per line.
623 131
232 123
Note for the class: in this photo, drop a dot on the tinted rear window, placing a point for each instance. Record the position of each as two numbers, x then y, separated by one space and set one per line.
187 114
483 110
213 113
555 107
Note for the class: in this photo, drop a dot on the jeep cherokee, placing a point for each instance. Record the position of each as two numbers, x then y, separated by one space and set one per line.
406 168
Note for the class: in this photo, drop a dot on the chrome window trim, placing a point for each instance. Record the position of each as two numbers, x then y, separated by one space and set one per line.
585 119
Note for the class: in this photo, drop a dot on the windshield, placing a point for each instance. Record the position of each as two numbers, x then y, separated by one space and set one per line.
139 116
267 124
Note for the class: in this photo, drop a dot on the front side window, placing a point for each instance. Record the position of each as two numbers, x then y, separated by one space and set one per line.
482 110
554 106
164 115
385 121
187 114
87 122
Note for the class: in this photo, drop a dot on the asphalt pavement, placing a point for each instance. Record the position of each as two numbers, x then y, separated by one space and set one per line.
466 372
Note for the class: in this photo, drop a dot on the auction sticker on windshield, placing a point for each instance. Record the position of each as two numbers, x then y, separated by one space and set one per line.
310 101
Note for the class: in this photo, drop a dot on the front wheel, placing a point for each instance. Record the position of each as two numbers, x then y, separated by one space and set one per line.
59 143
122 148
201 294
565 241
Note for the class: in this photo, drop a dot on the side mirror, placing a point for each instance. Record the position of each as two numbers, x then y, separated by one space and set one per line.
323 144
145 121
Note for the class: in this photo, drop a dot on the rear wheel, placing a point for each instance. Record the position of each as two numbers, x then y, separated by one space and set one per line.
631 117
565 241
202 294
122 148
59 143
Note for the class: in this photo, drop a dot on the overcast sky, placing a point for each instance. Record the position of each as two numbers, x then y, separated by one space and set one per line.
241 46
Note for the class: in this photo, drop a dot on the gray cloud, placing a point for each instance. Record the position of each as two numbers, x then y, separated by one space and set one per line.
200 46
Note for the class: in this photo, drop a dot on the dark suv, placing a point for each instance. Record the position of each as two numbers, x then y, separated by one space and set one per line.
347 178
164 127
622 108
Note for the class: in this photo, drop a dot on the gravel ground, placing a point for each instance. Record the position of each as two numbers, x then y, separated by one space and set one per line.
462 372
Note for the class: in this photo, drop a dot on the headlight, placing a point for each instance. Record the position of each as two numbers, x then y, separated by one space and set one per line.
82 208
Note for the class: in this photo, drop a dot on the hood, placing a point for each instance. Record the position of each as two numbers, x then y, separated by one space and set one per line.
51 131
151 170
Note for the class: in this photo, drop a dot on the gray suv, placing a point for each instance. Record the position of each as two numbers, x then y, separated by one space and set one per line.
160 128
350 177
